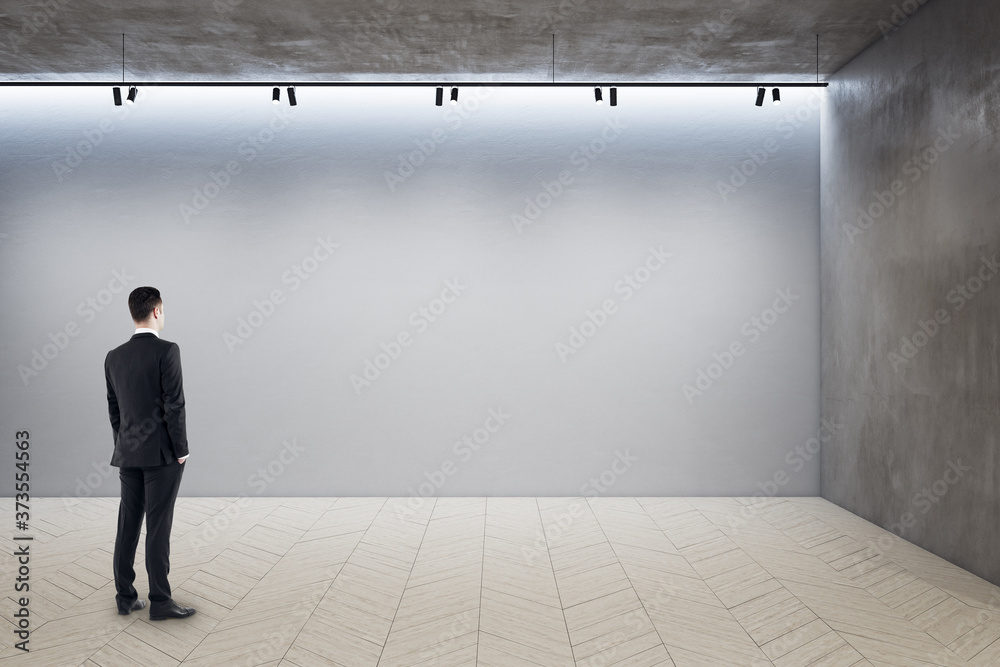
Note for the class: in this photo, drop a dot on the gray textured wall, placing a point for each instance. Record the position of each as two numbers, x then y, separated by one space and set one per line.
910 238
538 203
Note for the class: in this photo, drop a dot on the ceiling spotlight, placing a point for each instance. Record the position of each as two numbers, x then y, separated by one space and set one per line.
760 96
291 96
776 96
132 92
454 95
118 95
275 95
614 97
439 96
598 97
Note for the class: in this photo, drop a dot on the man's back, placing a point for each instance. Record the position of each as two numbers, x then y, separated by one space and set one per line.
146 402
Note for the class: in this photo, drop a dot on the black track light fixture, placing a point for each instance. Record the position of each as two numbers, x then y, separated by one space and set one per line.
614 96
454 95
117 91
776 96
598 95
439 96
132 93
760 96
275 95
291 96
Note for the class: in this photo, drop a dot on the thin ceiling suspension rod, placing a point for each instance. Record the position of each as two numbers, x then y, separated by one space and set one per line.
553 57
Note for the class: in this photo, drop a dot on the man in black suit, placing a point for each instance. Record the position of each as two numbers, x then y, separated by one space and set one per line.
146 405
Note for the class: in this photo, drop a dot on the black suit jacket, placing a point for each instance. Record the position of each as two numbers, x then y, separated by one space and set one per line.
146 402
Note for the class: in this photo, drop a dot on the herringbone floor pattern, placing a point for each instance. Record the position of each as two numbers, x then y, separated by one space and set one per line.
505 582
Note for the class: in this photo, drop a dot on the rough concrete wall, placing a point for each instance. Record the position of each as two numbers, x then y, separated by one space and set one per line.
910 287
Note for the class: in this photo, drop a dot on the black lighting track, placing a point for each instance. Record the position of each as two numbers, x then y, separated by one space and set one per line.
430 84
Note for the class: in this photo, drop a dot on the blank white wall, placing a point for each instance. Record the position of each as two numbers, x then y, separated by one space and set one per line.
143 201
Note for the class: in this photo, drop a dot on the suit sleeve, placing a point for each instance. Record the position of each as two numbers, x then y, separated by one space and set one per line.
173 399
113 412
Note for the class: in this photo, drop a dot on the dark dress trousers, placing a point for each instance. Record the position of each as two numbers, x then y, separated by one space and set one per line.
146 406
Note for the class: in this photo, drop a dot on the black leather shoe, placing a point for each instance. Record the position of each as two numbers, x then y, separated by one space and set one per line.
136 606
173 610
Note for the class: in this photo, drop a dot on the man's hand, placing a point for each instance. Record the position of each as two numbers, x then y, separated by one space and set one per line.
182 459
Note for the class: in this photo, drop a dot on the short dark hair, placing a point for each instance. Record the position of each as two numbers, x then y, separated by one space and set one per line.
142 301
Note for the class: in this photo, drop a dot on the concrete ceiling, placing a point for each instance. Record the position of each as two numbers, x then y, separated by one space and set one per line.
443 40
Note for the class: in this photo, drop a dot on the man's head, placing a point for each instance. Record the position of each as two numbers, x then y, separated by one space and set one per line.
146 307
